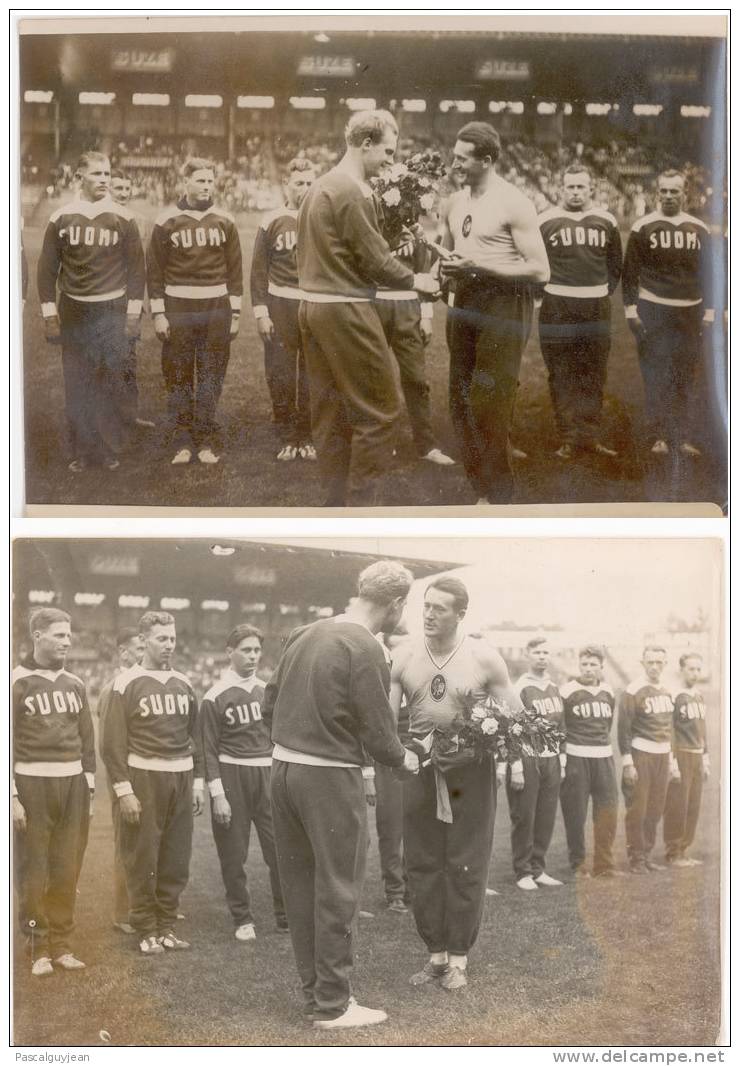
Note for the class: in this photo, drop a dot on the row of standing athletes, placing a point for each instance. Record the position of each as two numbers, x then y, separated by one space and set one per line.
338 311
333 700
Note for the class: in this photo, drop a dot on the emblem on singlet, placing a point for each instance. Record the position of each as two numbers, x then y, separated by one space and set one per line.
437 687
467 225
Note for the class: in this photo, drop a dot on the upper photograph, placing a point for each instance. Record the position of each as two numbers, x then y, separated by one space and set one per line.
396 263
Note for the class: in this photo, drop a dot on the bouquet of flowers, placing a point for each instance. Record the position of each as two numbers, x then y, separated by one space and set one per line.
489 727
406 192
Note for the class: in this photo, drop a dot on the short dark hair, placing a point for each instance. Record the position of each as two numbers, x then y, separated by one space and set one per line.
454 587
654 647
483 137
535 643
45 617
90 157
155 618
683 659
595 651
194 163
670 173
116 172
578 168
240 632
299 165
369 125
126 635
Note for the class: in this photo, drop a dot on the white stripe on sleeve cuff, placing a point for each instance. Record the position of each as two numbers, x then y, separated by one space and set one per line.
216 788
630 311
134 307
123 788
49 310
156 306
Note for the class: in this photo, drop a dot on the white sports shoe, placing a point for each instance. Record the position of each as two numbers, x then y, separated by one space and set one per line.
207 455
245 932
307 451
149 945
482 501
660 448
287 453
354 1017
42 967
545 879
436 455
689 449
183 456
527 883
492 892
69 962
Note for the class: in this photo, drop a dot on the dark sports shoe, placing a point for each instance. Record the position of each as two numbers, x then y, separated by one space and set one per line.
171 942
397 906
149 945
454 978
431 971
281 924
638 868
654 867
565 452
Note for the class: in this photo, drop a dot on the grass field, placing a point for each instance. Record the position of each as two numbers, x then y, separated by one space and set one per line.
634 961
249 476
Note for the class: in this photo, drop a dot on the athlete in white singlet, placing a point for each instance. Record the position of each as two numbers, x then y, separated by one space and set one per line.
447 860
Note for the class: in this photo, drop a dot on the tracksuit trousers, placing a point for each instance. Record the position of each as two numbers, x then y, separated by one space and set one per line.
355 399
669 354
156 851
532 812
594 778
645 802
320 819
575 340
683 803
247 789
120 891
93 355
401 325
194 362
285 371
48 855
389 825
447 863
487 330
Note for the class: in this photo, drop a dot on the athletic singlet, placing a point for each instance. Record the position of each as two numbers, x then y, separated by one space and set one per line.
479 229
434 687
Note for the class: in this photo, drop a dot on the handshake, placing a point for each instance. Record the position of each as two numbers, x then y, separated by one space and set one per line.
410 764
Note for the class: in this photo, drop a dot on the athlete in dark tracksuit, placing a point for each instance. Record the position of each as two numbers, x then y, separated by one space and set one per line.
53 775
585 254
683 800
588 716
194 279
150 747
237 751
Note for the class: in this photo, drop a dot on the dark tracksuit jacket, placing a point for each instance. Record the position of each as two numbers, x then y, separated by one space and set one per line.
584 250
588 717
342 260
683 800
92 253
533 808
237 753
194 276
275 294
120 892
667 283
328 699
151 747
53 775
645 739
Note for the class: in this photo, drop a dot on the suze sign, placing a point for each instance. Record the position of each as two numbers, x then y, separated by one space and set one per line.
143 60
502 70
327 67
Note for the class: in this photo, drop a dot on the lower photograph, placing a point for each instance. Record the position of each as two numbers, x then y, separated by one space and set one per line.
367 791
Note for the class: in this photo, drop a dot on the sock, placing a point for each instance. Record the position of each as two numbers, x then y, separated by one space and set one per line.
438 958
461 961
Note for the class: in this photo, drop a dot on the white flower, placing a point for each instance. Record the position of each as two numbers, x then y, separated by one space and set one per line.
478 714
489 727
398 171
391 197
426 202
516 729
424 182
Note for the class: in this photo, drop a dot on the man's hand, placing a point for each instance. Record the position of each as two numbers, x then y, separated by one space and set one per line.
221 810
52 330
92 802
234 328
370 793
133 327
637 328
675 772
705 766
629 776
129 809
517 780
162 327
426 331
456 265
411 762
19 815
426 283
563 761
199 801
266 327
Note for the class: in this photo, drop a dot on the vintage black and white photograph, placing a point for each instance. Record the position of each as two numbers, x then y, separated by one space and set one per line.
374 261
374 792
